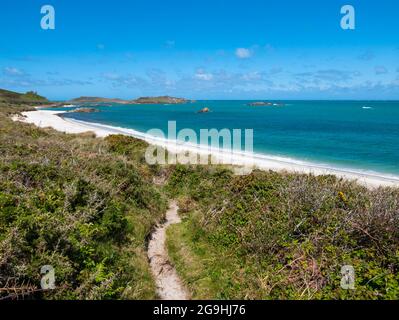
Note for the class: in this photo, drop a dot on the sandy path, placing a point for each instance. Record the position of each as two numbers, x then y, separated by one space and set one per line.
169 285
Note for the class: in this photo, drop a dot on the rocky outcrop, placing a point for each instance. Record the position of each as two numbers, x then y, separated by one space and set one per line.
204 110
265 103
85 110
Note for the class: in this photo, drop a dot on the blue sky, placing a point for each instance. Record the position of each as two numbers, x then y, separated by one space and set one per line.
202 49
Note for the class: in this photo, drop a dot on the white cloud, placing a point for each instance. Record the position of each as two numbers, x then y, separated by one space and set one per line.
276 70
269 47
243 53
367 56
251 76
10 71
202 75
111 76
327 75
380 70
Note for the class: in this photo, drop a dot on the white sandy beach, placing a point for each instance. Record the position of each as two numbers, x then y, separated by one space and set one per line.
46 118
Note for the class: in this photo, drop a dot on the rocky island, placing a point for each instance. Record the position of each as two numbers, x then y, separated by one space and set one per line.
85 110
204 110
95 100
265 103
159 100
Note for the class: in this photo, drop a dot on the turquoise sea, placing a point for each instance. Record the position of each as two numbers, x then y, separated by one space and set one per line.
362 135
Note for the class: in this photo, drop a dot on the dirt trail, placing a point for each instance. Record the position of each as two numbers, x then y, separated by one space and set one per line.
169 285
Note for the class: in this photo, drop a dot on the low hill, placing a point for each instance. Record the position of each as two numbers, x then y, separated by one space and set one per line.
97 100
29 97
160 100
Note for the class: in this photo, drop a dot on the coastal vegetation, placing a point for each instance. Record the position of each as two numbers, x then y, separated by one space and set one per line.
29 97
159 100
91 100
275 235
79 204
87 206
32 98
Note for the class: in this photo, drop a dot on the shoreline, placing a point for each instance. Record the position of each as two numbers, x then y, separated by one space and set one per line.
49 118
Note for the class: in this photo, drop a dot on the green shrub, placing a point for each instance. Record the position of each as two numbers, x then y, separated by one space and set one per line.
67 202
289 234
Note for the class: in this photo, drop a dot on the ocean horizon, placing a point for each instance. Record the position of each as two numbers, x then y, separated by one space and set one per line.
354 135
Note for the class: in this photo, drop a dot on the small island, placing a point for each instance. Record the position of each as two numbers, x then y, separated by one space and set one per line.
84 110
159 100
265 103
204 110
96 100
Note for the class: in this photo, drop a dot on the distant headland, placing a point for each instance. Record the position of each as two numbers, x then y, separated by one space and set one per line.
141 100
32 98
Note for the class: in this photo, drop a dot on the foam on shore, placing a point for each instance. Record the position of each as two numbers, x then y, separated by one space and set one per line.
49 118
